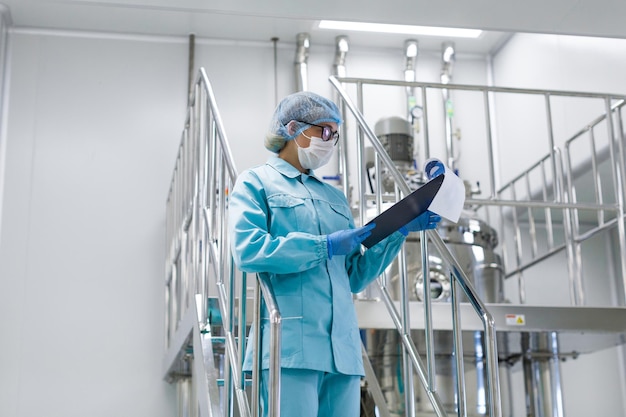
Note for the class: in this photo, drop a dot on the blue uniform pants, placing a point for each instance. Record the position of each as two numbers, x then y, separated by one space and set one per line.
307 393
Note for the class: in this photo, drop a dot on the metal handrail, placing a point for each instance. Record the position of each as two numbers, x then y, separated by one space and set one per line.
264 288
471 87
566 200
221 253
556 192
198 255
458 277
556 168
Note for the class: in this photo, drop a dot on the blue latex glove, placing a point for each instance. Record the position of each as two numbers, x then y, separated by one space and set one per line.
426 220
434 169
345 241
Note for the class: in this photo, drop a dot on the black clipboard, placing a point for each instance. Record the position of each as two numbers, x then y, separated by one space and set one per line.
403 211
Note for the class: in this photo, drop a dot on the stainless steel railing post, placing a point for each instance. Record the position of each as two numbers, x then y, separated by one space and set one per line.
275 345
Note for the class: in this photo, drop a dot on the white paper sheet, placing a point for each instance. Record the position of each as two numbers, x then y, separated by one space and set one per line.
449 201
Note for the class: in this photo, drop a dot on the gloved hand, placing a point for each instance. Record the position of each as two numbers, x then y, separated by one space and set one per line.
345 241
434 169
426 220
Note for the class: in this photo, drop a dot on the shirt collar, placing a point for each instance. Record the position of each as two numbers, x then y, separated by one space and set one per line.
287 169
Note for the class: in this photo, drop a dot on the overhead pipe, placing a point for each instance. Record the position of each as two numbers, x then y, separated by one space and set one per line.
339 65
414 111
275 44
339 70
448 57
191 65
411 51
341 50
301 61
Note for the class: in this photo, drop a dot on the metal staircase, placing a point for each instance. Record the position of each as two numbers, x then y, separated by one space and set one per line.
209 300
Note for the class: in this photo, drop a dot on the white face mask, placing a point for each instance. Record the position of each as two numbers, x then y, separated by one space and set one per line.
317 154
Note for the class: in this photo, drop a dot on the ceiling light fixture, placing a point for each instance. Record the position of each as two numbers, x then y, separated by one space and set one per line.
400 29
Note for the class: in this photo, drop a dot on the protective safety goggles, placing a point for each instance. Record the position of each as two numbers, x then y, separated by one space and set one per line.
327 133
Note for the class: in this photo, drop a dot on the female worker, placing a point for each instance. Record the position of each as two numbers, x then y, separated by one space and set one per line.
298 230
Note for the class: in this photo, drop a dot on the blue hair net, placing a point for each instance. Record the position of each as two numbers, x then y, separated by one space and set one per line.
301 107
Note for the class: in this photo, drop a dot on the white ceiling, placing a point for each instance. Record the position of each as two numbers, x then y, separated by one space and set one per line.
261 20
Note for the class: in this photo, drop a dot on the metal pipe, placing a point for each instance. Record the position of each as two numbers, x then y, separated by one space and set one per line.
555 372
576 291
339 69
411 51
191 64
411 351
540 204
425 121
204 369
237 379
530 387
517 241
301 61
491 349
428 330
275 43
197 285
574 219
542 374
373 386
490 145
409 397
469 87
219 126
547 211
617 155
241 325
341 51
482 392
360 152
458 349
531 220
256 332
361 187
275 343
448 57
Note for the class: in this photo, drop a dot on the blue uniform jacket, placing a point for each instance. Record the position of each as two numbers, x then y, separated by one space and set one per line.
278 222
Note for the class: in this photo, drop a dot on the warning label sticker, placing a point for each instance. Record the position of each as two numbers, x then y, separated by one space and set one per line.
515 320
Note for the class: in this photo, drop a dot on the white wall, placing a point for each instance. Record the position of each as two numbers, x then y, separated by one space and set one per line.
93 130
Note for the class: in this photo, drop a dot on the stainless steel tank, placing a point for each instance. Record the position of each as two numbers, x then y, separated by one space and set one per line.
473 243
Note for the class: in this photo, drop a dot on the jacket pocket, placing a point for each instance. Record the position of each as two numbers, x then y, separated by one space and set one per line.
284 216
